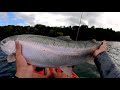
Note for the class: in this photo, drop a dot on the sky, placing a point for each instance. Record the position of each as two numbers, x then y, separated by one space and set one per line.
97 19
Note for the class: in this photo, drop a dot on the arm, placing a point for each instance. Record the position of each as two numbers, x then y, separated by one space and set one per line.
106 66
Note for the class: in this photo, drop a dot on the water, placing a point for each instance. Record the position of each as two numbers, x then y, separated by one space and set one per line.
8 70
86 70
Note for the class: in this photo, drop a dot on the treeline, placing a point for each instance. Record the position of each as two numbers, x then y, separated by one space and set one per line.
85 32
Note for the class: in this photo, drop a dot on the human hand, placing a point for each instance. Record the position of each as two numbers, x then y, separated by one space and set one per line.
23 69
62 74
58 74
103 47
46 74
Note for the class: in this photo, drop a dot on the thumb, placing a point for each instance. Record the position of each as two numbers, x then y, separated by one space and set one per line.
20 60
18 48
54 71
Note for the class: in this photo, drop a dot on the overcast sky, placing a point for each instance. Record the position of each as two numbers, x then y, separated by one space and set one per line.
97 19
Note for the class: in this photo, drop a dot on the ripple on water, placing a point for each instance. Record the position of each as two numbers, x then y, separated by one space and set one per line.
6 69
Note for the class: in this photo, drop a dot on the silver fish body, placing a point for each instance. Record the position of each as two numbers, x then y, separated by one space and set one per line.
43 51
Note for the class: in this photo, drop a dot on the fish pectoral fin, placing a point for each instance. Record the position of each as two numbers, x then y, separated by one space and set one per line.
66 70
11 58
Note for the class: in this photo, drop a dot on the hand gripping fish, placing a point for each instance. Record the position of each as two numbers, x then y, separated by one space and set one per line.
44 51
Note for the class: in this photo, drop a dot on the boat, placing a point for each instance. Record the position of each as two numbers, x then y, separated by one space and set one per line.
41 71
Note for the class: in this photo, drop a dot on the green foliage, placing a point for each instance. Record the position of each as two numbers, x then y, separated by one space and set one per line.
59 33
85 32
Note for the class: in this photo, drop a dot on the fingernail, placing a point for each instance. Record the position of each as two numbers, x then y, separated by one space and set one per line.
17 44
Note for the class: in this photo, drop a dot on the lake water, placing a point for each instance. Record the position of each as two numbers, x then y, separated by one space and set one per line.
8 70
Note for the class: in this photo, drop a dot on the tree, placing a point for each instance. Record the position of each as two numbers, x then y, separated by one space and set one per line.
85 33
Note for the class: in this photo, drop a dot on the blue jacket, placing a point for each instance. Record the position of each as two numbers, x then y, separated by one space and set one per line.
106 66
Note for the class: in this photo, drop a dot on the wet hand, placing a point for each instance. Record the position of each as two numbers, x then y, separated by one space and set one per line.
103 47
23 69
58 74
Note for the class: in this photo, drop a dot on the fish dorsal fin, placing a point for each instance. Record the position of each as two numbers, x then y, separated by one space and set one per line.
66 70
11 58
65 38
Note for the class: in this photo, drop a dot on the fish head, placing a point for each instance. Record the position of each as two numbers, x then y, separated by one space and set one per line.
8 46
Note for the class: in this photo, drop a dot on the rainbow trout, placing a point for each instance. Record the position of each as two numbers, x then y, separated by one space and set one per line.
43 51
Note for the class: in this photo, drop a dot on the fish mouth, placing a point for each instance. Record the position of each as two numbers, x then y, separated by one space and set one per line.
2 43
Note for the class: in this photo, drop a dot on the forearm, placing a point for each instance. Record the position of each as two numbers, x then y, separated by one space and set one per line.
106 66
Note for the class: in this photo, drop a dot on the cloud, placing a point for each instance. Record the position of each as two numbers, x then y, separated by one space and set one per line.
28 17
3 18
88 18
3 14
22 24
98 19
110 20
42 18
57 18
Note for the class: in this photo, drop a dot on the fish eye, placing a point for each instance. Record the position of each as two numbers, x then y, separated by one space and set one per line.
4 41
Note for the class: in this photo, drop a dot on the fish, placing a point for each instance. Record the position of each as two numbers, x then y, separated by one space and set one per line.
44 51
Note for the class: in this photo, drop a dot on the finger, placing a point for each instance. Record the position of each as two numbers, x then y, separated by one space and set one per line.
19 58
18 48
47 72
54 71
63 75
104 42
